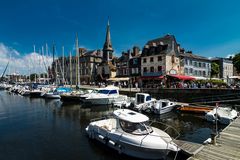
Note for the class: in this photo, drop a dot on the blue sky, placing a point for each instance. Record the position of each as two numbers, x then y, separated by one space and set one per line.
208 28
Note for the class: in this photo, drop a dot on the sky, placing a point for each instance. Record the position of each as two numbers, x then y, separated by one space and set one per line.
208 28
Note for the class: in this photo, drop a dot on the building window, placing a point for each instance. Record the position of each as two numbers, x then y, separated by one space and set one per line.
159 68
195 64
195 73
191 70
186 61
204 65
159 58
135 61
186 71
151 69
200 73
144 60
145 69
190 62
200 64
151 59
204 73
173 58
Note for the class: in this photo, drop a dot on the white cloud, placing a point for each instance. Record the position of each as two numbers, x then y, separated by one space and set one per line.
230 55
31 62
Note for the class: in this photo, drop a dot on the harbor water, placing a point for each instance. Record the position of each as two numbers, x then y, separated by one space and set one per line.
37 129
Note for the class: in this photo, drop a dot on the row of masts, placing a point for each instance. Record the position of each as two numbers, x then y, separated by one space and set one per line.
43 60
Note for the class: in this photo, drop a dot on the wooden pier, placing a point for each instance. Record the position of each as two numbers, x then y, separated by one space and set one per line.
227 145
190 148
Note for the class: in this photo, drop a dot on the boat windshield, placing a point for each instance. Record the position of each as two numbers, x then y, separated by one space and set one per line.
142 128
103 91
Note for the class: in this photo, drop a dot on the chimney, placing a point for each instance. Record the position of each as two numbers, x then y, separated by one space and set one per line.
135 51
81 51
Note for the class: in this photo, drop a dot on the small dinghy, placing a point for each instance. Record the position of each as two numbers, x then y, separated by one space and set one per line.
223 115
129 133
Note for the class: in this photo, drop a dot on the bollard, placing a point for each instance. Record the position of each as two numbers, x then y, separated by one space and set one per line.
213 138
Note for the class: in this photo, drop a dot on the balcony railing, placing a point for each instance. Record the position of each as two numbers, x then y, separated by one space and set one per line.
152 73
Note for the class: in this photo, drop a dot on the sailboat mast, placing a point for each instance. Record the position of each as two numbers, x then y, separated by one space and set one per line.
39 64
47 63
42 65
35 74
63 60
70 59
77 63
54 66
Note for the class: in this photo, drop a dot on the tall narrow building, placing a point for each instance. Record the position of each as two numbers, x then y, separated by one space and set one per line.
107 47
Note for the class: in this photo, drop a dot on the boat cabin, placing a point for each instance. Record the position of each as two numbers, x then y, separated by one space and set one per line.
142 98
109 91
132 122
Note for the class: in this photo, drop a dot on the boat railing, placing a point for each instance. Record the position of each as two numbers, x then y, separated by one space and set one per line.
101 118
167 127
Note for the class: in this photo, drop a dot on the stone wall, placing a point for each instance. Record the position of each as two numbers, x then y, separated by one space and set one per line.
190 95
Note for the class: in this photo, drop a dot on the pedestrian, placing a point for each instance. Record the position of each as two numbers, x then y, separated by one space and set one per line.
136 85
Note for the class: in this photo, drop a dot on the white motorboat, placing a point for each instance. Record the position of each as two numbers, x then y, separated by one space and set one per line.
129 133
56 94
223 115
163 106
104 96
144 102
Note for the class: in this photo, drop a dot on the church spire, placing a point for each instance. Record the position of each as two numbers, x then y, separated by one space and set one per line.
107 47
108 43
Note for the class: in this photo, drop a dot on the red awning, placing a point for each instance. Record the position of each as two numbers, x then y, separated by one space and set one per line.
151 77
182 77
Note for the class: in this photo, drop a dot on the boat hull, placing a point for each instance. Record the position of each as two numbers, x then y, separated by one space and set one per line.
128 149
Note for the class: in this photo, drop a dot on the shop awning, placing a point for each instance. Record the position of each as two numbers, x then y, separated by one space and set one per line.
200 78
151 77
118 79
182 77
234 77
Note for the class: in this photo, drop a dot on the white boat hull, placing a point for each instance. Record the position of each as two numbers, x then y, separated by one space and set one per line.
224 115
123 146
52 96
104 100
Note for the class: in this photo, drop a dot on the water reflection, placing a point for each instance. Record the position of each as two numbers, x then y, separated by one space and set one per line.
50 129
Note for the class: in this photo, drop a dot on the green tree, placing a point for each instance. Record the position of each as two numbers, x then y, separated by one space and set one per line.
32 76
236 62
214 69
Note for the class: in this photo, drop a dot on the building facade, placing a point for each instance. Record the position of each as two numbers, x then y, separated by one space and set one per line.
160 57
197 66
226 68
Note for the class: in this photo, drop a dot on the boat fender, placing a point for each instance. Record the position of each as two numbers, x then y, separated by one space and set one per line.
111 142
101 137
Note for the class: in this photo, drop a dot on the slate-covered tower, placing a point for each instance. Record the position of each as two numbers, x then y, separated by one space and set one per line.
107 47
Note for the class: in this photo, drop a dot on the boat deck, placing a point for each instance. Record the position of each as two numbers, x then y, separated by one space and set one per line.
227 145
194 109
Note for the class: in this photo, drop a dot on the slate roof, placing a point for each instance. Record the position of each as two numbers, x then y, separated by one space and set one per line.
93 53
194 56
163 45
